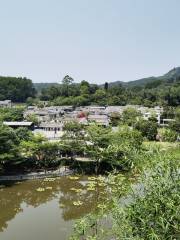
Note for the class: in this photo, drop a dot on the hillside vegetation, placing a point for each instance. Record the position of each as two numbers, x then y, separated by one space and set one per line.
162 91
152 91
16 89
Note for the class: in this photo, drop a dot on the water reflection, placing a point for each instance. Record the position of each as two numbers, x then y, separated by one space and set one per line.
16 197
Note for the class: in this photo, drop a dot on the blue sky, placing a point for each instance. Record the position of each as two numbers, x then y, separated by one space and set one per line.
95 40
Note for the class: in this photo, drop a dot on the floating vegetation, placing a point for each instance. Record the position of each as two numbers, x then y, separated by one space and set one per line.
78 203
61 205
92 178
77 190
40 189
114 190
136 175
112 183
132 179
91 189
49 179
102 206
73 177
17 209
49 188
101 179
101 184
91 184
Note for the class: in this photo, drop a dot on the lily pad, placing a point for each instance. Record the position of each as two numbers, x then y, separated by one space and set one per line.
40 189
78 203
49 188
73 177
49 179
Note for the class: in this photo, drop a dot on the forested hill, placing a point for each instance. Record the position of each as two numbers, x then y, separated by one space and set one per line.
163 90
171 77
40 86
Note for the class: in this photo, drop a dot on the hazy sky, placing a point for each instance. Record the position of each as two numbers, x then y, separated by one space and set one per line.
95 40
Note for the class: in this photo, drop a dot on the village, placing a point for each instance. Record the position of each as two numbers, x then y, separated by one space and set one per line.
51 119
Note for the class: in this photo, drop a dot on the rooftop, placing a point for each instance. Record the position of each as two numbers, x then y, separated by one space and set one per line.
18 123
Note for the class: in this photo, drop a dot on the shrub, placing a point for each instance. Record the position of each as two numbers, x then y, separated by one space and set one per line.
147 128
154 214
167 135
127 136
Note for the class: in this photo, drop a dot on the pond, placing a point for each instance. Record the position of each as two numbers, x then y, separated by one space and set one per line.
45 209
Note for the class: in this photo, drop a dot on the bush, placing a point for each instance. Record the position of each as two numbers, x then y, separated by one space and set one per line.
130 116
155 213
147 128
127 136
167 135
175 126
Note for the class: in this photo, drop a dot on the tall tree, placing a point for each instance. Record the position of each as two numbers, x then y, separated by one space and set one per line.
16 89
106 86
66 83
9 151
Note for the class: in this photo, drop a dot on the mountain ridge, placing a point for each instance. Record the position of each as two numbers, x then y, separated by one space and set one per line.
170 76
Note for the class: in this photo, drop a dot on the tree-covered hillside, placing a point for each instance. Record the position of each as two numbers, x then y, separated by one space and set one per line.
40 86
159 91
172 76
163 91
16 89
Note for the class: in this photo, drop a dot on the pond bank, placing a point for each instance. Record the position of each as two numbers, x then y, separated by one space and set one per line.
37 175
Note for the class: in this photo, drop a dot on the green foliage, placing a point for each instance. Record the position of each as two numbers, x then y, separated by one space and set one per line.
150 92
147 128
127 136
113 150
74 101
32 118
11 114
23 134
119 156
42 153
99 97
16 89
67 80
168 135
106 86
73 129
150 210
72 143
130 116
115 119
9 152
175 126
98 136
155 214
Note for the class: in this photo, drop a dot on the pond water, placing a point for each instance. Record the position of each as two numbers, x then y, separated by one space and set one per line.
45 210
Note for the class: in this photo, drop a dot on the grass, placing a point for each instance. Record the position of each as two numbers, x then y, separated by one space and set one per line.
161 144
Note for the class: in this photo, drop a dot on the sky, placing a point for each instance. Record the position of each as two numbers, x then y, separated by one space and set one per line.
93 40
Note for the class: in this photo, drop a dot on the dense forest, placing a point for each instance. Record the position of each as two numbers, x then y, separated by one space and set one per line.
16 89
162 91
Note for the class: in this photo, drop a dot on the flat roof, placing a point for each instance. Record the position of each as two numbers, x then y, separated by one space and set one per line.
18 123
